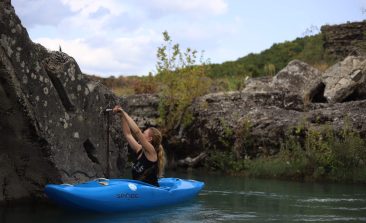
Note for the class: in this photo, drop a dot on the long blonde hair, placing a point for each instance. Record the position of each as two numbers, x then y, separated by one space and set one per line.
156 142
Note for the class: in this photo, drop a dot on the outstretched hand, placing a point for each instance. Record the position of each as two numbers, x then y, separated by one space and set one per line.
117 109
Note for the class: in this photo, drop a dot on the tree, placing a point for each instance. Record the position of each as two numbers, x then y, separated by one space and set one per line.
182 80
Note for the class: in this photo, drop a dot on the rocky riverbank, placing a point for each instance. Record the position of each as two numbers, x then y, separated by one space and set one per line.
53 124
269 107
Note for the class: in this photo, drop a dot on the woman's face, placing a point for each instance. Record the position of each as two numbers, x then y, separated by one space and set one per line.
147 135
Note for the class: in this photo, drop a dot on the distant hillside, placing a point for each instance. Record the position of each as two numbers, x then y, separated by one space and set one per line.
308 49
335 42
321 51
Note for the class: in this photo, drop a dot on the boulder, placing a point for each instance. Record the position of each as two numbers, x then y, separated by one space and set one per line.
220 122
346 80
255 121
53 128
298 78
294 87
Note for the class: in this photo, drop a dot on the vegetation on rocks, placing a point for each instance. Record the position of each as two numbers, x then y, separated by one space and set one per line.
307 153
180 82
180 78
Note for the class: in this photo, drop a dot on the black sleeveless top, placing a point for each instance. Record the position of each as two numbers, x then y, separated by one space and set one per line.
145 170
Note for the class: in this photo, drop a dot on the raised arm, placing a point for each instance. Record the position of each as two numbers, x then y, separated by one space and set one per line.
127 132
128 125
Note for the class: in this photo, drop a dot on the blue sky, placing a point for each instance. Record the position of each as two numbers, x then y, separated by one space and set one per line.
120 37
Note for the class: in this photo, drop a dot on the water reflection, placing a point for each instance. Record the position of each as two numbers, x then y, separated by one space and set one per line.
41 213
229 199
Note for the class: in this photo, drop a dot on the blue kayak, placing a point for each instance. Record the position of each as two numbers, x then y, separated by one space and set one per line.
117 195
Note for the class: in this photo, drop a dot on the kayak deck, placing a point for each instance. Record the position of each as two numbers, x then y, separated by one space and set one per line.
104 195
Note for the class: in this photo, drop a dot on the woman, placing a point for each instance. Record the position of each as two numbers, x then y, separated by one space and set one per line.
150 153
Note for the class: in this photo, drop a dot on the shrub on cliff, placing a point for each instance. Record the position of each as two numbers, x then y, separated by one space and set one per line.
306 153
181 81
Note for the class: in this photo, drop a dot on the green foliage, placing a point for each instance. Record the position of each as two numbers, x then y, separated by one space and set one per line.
218 160
175 66
228 83
227 130
350 151
269 69
308 49
307 153
243 139
266 167
181 80
323 153
226 137
224 161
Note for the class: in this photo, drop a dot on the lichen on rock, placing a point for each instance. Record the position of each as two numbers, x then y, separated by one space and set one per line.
34 149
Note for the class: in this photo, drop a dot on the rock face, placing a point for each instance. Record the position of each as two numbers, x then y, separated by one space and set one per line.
143 108
345 39
298 78
253 122
52 124
346 80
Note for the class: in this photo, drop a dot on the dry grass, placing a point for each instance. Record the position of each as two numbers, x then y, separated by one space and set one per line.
123 91
321 66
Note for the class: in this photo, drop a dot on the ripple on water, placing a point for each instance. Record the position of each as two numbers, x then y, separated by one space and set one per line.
217 215
348 208
326 218
242 193
332 200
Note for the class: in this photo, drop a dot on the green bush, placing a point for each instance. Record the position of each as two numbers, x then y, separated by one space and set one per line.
181 81
224 161
307 153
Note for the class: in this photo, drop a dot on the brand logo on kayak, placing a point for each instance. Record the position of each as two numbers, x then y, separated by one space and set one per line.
127 196
132 186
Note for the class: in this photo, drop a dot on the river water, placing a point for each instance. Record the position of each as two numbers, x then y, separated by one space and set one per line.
228 199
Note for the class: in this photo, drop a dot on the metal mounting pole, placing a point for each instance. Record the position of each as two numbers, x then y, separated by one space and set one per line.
108 110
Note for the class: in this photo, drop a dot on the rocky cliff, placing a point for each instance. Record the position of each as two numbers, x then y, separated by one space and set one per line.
52 120
253 122
345 39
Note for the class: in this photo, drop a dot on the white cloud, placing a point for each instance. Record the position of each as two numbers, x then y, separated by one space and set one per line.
87 7
214 7
94 17
40 12
126 55
84 19
113 36
121 36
